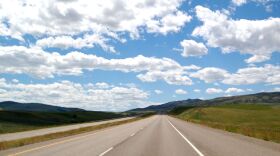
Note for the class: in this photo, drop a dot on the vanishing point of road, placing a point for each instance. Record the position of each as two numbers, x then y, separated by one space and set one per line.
159 135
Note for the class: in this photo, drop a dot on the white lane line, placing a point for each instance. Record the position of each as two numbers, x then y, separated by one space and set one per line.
56 143
132 134
106 151
187 140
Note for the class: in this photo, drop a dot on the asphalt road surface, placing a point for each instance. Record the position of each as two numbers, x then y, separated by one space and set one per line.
38 132
155 136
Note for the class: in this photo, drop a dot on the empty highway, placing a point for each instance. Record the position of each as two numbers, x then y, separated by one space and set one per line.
159 135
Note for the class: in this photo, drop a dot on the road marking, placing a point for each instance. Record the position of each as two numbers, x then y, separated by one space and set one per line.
49 145
56 143
106 151
187 140
132 134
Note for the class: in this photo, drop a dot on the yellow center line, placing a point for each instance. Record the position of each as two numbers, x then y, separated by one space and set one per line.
49 145
56 143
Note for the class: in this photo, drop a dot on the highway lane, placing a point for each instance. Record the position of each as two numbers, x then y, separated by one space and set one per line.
155 136
215 142
87 144
168 136
158 139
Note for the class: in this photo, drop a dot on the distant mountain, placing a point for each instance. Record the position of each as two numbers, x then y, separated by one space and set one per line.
34 107
168 106
259 98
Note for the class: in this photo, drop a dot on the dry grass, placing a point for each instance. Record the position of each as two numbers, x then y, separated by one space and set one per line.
259 121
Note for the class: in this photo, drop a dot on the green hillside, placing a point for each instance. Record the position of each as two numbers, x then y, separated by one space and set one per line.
35 107
255 120
11 121
269 98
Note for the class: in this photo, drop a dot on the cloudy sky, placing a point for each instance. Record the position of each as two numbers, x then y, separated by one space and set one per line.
116 55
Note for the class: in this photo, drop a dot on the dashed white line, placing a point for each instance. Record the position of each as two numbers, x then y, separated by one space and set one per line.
132 134
106 151
187 140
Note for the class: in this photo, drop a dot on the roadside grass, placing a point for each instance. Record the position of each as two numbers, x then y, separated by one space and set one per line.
254 120
9 127
25 141
12 121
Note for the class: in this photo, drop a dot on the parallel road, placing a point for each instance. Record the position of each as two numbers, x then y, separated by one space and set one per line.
155 136
38 132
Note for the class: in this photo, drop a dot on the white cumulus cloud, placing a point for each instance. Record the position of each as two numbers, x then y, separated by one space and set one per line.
267 74
210 74
259 38
239 2
158 91
59 23
180 91
214 90
234 90
65 42
69 94
38 63
193 48
170 23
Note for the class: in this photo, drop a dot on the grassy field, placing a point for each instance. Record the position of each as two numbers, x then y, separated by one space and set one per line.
11 121
260 121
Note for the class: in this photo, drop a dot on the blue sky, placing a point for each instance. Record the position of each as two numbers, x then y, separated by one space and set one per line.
115 55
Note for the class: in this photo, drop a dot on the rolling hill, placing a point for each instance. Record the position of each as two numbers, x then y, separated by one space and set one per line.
167 106
258 98
34 107
15 117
